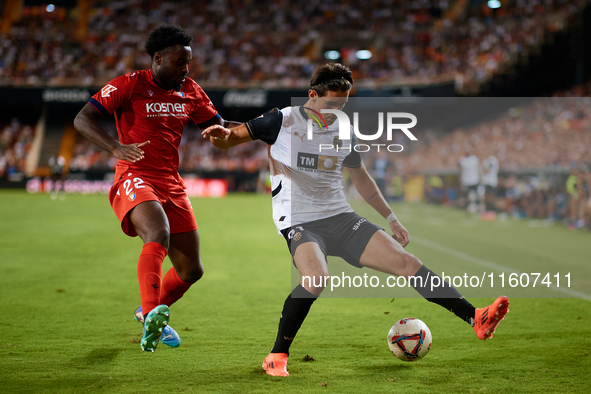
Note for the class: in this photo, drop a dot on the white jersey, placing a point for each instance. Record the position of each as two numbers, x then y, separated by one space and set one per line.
470 170
306 175
490 172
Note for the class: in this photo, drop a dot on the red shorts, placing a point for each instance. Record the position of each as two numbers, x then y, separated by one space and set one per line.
132 187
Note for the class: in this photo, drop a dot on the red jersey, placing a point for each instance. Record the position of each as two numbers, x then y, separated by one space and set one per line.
146 110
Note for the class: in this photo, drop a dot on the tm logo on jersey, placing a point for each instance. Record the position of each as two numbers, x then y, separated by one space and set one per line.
312 162
166 109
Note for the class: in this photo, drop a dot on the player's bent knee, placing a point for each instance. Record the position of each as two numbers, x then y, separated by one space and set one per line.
404 264
410 265
161 236
315 284
191 275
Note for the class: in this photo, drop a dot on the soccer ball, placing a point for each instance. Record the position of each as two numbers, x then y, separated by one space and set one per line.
409 339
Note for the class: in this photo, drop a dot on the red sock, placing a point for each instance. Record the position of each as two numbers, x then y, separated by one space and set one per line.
149 274
173 287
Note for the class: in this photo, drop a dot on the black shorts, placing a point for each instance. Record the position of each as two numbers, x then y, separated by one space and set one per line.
344 235
467 189
491 190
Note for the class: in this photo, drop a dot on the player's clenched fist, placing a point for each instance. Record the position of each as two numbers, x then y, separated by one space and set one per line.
399 233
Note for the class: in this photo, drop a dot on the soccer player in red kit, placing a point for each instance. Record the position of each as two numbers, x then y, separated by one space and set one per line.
151 108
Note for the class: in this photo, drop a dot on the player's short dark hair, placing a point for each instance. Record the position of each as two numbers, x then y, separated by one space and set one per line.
165 36
331 77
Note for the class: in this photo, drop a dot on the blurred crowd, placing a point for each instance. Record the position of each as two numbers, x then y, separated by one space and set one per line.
549 132
542 156
549 197
566 198
15 142
279 43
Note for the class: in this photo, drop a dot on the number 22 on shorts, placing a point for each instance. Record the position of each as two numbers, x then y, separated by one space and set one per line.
129 185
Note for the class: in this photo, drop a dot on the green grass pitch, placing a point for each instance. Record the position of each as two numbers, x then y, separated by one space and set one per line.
68 290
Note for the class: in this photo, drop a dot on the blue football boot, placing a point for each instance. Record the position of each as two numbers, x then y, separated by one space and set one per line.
168 335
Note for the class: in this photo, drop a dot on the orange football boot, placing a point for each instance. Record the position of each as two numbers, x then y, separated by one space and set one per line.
487 319
275 364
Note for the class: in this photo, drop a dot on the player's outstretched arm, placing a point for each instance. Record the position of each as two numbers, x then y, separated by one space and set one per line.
225 138
370 192
230 123
87 123
265 128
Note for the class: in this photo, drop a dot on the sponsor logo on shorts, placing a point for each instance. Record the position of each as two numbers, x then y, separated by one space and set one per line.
297 236
292 233
359 223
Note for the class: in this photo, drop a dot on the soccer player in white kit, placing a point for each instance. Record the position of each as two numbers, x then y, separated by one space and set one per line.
489 179
469 178
310 210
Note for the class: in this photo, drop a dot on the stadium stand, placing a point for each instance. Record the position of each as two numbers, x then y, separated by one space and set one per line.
544 153
276 45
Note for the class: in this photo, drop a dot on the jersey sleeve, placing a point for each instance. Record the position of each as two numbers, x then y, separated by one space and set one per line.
353 159
204 113
266 127
112 95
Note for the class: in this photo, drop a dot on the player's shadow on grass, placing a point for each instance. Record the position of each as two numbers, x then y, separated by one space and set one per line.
95 358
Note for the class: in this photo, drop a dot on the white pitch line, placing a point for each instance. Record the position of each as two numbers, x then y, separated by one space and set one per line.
488 264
